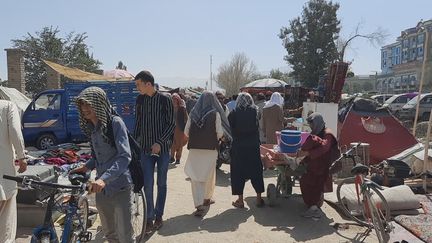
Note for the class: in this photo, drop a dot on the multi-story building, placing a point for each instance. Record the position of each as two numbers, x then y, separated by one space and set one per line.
402 61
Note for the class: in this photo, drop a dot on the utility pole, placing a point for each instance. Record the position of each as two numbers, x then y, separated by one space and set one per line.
211 73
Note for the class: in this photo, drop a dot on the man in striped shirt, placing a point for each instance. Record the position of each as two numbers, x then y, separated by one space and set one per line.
154 131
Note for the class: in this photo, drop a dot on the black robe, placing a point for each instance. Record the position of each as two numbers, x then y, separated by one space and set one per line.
245 151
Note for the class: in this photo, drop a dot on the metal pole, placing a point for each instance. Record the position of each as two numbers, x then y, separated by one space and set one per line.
421 80
426 155
211 73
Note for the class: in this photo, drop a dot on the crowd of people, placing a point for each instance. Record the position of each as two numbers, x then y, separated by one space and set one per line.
164 125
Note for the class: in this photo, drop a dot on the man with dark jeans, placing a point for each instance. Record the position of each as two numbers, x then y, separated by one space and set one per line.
154 130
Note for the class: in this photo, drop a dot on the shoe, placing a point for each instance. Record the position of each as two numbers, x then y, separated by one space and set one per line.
149 227
200 211
312 212
177 162
172 160
158 223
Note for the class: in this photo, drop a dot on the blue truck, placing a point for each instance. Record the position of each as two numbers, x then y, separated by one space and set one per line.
52 116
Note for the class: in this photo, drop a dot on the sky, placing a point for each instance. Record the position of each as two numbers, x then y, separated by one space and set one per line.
174 39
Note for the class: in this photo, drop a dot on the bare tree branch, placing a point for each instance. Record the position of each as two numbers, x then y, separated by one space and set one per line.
375 38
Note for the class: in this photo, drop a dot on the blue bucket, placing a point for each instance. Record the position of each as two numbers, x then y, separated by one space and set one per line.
290 141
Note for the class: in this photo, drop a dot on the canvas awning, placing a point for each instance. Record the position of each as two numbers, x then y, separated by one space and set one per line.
78 74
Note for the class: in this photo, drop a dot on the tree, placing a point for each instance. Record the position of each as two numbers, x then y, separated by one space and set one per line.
235 74
70 51
310 41
121 66
367 86
375 38
277 74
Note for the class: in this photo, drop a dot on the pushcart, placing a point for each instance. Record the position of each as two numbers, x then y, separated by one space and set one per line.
287 168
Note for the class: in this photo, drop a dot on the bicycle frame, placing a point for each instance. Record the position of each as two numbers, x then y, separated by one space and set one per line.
71 209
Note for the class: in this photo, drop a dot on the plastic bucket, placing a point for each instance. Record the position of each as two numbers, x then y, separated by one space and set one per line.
290 141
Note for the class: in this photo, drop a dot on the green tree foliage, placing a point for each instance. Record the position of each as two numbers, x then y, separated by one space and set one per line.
121 66
310 41
70 51
277 74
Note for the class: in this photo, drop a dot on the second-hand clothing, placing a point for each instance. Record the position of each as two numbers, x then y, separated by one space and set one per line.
245 154
201 163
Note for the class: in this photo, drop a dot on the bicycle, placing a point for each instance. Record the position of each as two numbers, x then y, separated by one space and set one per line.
369 207
75 207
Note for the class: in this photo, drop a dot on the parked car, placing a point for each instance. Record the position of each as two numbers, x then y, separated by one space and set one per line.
396 102
409 109
52 116
381 98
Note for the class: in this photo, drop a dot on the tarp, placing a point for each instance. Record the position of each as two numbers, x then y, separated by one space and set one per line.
78 74
118 74
266 83
367 123
15 96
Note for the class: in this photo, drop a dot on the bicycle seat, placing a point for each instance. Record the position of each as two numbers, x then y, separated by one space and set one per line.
78 178
359 169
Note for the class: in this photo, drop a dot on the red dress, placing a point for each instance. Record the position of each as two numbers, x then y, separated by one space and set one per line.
313 182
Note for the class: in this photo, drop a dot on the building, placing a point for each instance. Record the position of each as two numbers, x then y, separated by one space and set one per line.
402 61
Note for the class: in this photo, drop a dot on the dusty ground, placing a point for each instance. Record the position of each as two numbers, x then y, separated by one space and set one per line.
223 223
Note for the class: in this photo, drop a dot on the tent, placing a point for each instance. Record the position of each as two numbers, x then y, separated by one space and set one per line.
364 120
15 96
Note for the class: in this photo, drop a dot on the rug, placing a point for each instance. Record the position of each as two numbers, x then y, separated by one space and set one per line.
420 225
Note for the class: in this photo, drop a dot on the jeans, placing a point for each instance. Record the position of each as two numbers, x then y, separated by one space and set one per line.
148 166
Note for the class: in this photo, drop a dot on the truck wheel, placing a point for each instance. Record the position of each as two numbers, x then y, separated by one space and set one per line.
45 141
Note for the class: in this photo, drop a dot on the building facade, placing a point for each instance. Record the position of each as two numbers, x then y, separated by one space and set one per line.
402 61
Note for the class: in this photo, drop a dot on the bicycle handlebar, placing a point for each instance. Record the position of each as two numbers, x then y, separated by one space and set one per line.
347 153
28 181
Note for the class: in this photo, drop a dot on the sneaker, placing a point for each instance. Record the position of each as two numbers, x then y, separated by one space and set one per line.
172 160
158 223
177 162
312 212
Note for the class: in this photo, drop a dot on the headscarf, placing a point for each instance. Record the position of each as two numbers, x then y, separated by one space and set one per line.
206 104
244 100
178 101
316 123
275 99
97 99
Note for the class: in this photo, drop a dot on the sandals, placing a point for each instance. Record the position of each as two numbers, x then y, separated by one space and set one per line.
200 211
238 204
208 202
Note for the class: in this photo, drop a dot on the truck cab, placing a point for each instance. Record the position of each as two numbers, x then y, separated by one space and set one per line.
52 116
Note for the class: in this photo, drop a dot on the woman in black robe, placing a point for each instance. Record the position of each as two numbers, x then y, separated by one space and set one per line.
245 154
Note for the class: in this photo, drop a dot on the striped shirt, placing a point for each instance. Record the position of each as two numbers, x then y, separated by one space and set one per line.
154 121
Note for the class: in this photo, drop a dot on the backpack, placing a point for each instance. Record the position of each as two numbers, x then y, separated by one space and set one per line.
135 168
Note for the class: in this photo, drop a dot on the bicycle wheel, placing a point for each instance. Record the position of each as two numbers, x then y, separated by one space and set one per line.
80 220
350 201
139 215
379 213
